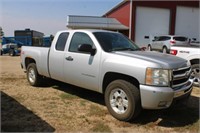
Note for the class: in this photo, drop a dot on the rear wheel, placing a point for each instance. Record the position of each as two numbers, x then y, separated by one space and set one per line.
33 76
12 52
164 50
123 100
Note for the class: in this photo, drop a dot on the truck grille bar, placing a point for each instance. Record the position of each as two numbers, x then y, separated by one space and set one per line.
180 77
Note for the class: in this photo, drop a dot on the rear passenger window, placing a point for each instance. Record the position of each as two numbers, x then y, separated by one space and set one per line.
78 39
61 42
164 38
180 38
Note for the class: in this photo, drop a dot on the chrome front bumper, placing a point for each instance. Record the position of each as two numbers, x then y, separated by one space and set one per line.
162 97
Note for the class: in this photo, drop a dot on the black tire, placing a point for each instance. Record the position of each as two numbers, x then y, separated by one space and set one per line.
196 74
165 50
149 48
33 76
1 52
131 96
12 52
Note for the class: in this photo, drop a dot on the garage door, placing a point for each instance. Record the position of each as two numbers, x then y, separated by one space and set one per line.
187 22
150 22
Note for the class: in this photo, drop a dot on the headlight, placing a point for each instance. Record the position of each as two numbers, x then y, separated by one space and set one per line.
158 77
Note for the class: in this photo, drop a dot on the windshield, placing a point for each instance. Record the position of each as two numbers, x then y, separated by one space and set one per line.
110 41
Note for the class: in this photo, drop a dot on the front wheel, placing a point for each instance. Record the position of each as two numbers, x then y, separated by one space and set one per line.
149 48
123 100
196 75
33 76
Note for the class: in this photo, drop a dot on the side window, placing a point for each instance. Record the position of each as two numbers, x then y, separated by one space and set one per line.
164 38
180 39
167 38
61 42
156 38
78 39
161 38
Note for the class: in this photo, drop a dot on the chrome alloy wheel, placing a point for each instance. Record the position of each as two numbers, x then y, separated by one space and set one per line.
196 76
31 75
119 101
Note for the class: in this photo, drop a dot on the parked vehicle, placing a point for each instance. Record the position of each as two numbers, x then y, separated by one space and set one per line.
11 49
191 53
109 63
12 45
1 50
164 43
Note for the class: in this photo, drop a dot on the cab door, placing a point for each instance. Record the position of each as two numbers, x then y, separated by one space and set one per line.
82 69
56 57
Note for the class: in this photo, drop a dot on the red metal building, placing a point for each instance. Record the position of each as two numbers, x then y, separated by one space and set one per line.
146 19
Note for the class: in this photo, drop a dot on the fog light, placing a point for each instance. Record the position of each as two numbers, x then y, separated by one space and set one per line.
162 104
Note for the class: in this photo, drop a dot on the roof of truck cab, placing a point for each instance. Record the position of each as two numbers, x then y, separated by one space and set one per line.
86 30
171 35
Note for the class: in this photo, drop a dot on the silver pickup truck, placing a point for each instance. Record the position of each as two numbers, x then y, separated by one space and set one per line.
110 63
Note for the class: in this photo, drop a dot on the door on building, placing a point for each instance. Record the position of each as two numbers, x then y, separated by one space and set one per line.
187 22
149 23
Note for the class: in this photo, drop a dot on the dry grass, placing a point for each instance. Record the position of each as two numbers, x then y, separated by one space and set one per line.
100 127
97 111
67 96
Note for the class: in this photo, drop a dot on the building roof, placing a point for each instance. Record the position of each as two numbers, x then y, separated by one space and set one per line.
116 7
94 22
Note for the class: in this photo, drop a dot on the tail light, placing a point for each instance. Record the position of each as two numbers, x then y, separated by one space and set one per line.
173 52
172 42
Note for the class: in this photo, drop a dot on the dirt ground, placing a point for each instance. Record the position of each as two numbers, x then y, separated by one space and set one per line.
59 107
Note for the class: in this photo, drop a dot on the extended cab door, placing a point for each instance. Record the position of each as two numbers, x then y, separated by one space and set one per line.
57 55
82 69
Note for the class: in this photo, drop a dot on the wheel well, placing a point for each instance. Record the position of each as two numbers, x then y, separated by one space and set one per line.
168 49
195 61
165 46
28 61
111 76
149 45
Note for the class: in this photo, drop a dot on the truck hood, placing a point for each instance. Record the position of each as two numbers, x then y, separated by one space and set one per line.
164 60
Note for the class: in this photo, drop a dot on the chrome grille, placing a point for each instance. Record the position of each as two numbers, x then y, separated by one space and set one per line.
180 77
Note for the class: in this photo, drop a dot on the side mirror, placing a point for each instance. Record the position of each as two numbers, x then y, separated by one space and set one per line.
87 48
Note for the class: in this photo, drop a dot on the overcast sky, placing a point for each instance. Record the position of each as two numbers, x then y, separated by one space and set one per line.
47 16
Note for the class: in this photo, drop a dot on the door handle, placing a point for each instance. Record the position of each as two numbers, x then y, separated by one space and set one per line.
69 58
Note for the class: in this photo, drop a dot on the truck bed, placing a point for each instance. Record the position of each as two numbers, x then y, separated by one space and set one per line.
40 54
